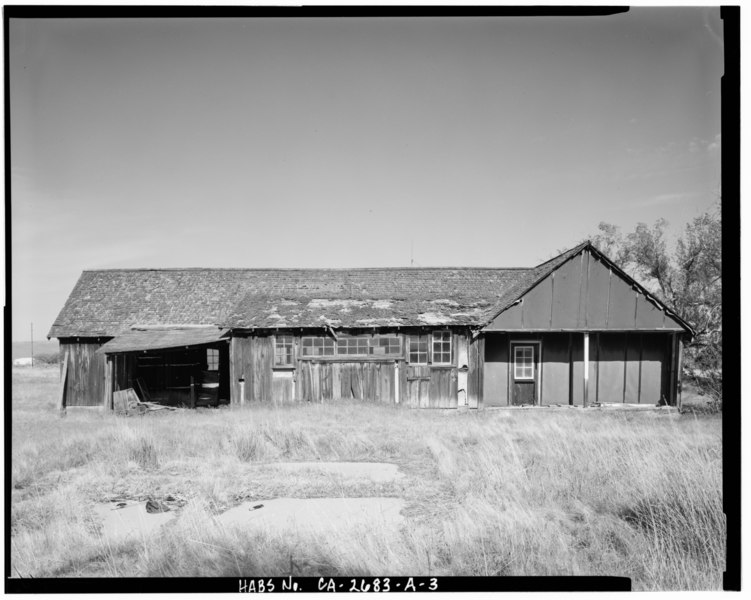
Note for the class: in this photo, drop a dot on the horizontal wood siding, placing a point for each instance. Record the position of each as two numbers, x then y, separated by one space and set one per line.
86 373
584 294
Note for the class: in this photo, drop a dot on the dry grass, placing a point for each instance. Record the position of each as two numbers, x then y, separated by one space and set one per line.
548 492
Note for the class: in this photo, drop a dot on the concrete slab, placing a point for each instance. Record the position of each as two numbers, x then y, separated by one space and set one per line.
132 519
316 515
376 472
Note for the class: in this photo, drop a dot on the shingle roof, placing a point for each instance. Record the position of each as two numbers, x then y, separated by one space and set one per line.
108 302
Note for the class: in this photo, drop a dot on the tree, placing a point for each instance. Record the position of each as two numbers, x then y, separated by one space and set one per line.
688 279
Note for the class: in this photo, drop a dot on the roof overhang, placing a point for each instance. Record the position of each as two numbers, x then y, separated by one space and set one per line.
139 340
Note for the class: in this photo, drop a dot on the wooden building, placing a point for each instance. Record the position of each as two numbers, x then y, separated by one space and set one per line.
574 330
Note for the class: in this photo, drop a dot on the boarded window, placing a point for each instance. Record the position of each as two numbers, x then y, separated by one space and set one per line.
212 359
524 362
317 346
283 350
418 349
441 347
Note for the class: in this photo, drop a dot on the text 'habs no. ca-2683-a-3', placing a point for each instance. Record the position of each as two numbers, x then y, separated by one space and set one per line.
575 330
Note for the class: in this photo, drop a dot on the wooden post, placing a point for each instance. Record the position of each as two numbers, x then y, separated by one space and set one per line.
192 392
586 370
396 382
108 399
64 385
242 391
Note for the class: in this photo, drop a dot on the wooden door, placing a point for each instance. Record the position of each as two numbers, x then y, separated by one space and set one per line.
524 370
418 386
443 388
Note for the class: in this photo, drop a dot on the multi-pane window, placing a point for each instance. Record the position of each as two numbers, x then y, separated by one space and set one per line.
283 350
524 362
385 346
441 347
352 346
212 359
318 346
418 349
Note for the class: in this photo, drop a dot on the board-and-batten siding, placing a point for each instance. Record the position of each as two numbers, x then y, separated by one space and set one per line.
584 294
85 375
629 367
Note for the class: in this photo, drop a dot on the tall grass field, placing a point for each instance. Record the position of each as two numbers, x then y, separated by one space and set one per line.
507 492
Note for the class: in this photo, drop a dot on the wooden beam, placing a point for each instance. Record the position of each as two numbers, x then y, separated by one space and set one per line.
586 370
64 384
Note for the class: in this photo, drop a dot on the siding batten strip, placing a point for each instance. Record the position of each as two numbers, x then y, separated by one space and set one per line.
625 367
641 356
586 370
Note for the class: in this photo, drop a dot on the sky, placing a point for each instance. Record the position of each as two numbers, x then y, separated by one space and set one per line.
355 142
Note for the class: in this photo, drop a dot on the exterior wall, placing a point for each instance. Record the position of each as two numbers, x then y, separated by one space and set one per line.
85 377
387 378
584 294
630 367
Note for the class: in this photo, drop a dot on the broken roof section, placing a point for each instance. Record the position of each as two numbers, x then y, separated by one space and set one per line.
258 311
136 340
108 302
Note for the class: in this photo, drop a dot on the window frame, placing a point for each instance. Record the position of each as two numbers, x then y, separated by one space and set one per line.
292 353
364 346
213 352
427 348
524 366
442 332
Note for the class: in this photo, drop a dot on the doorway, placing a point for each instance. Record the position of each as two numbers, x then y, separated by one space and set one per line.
525 367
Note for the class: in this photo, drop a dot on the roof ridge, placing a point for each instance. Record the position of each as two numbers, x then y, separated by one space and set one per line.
339 269
573 250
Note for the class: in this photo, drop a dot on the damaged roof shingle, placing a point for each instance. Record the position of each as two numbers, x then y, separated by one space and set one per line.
108 302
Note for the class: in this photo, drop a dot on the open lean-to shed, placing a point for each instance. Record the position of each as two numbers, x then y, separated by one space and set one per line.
575 330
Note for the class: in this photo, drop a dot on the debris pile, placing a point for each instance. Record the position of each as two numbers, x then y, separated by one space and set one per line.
127 403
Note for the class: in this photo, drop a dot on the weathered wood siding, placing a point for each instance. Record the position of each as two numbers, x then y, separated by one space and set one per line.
262 357
240 368
85 379
584 294
388 378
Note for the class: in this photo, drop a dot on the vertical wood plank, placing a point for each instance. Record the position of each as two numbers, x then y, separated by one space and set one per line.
107 400
63 385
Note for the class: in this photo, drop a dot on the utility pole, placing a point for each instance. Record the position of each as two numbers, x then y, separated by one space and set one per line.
32 344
